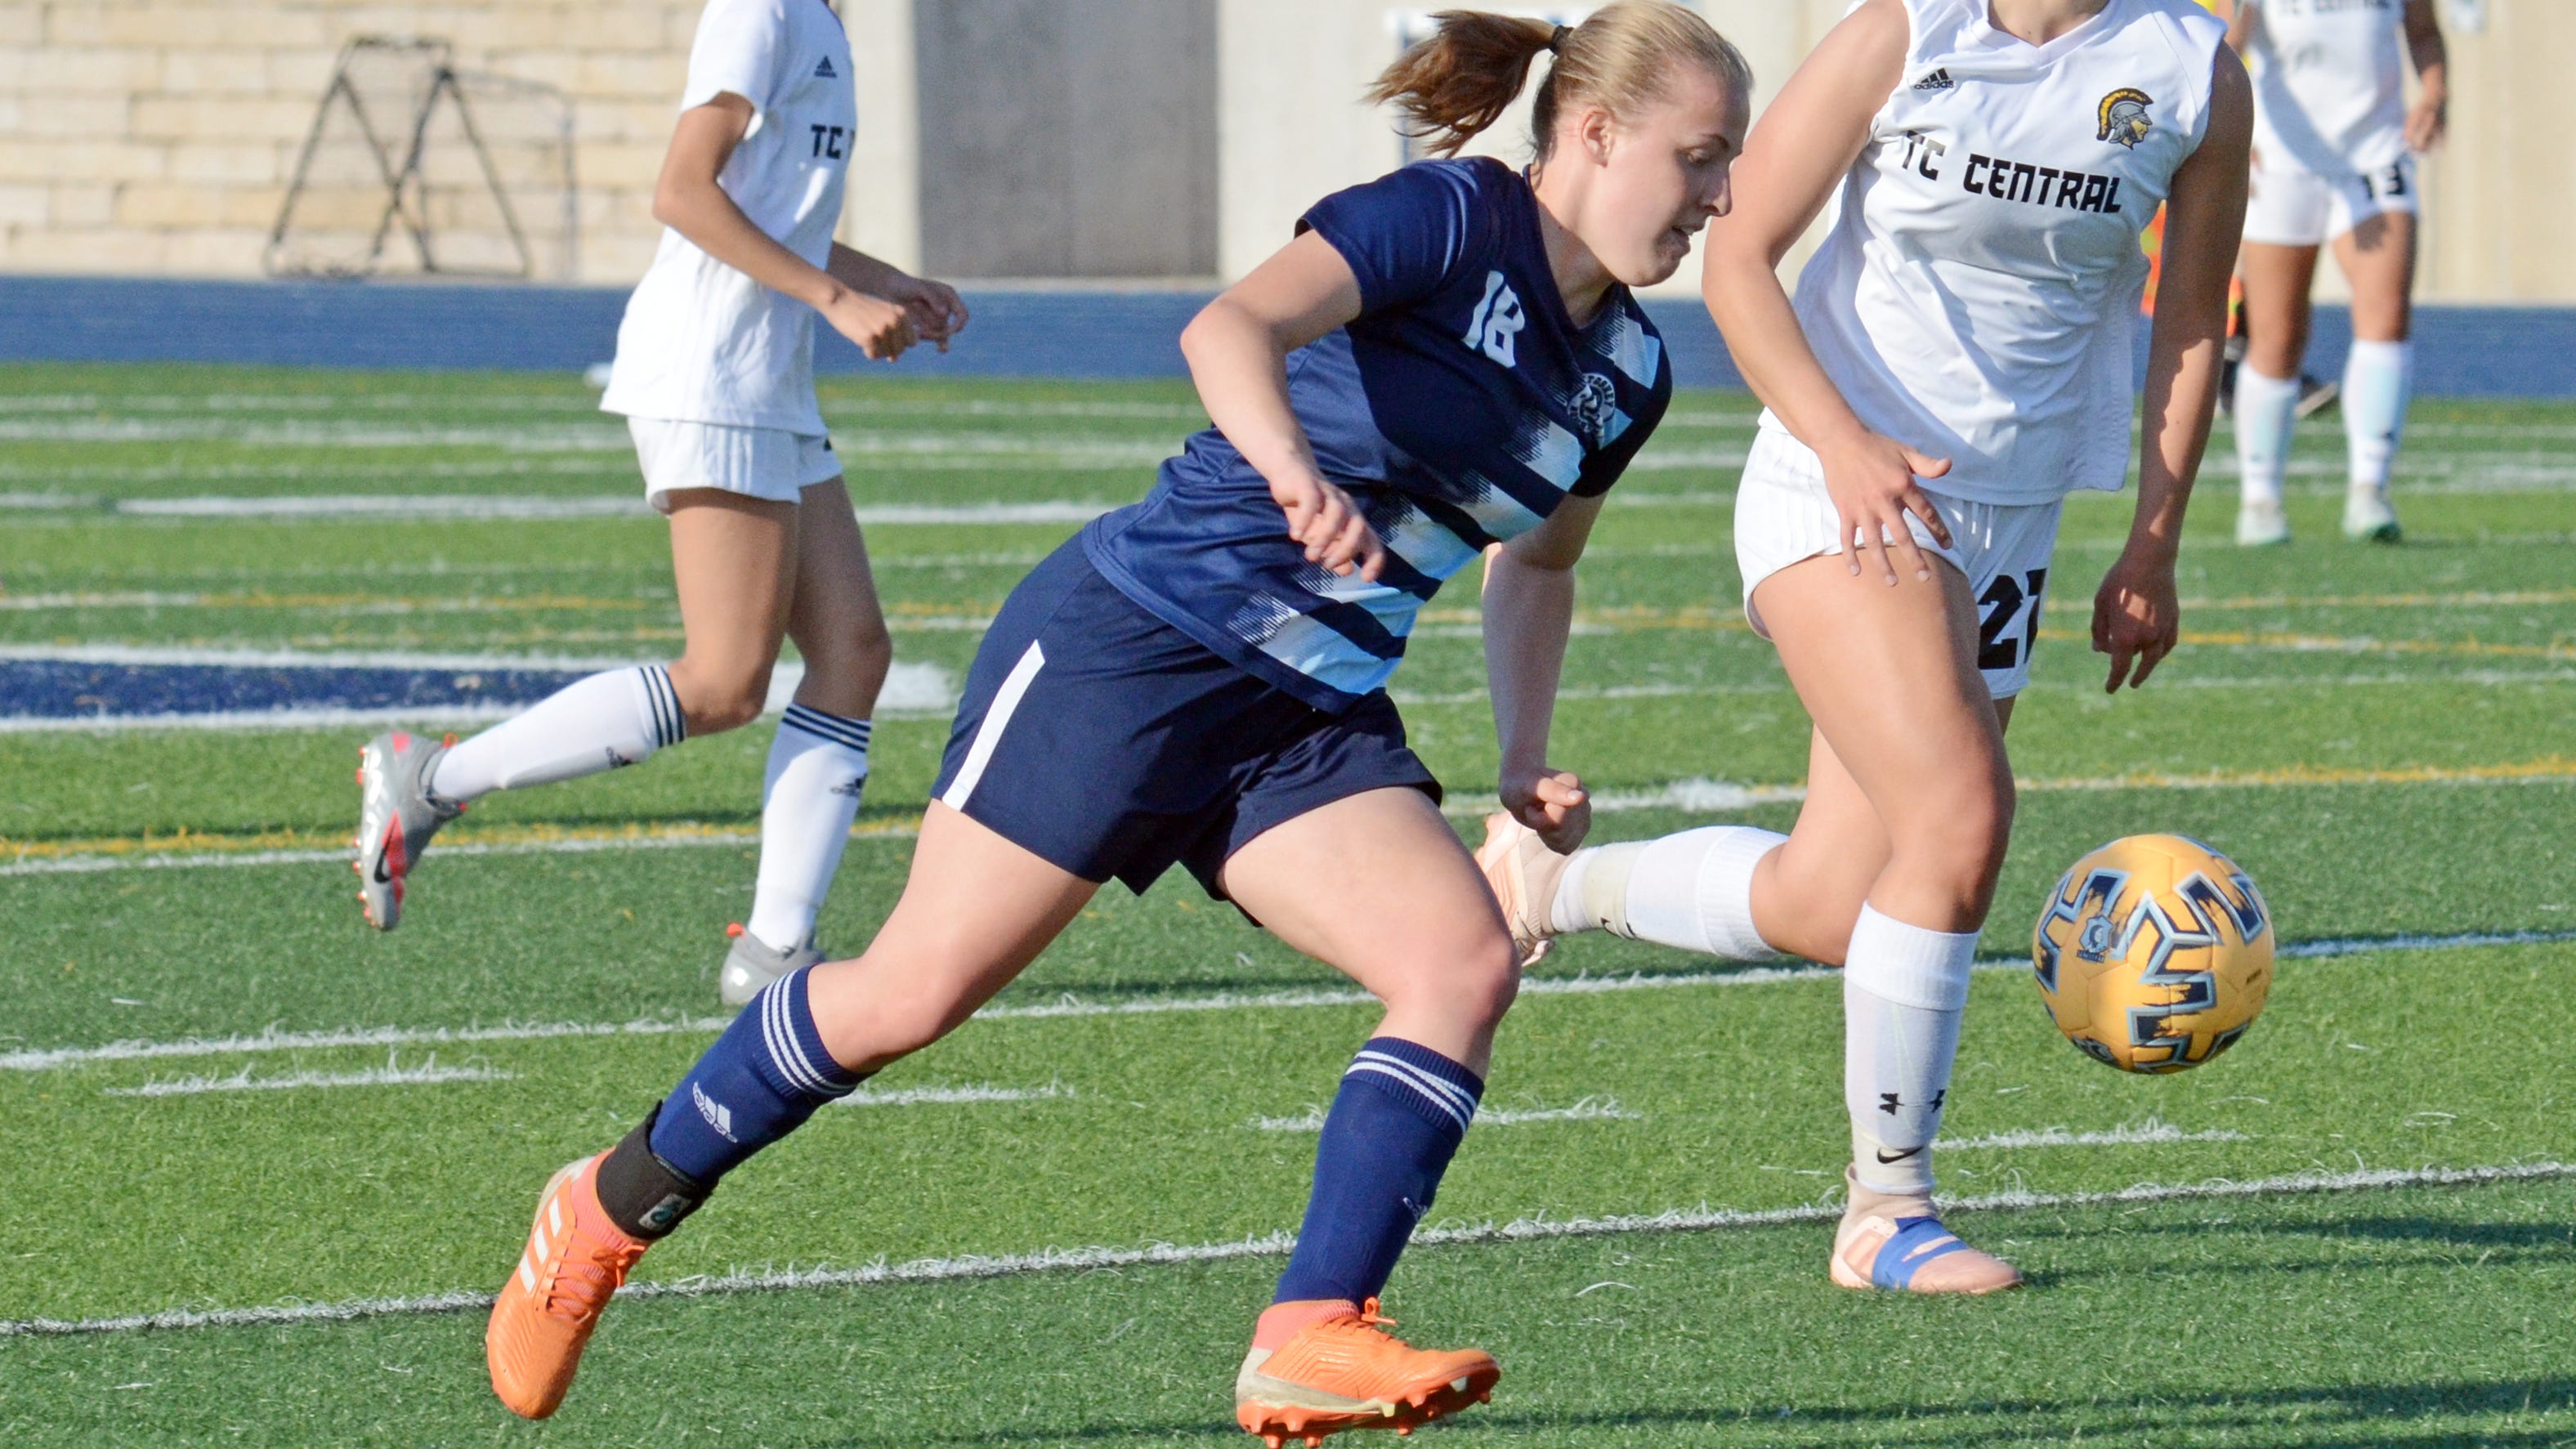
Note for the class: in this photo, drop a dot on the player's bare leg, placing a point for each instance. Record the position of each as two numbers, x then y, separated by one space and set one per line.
1889 676
2266 406
978 910
1376 885
2378 259
818 762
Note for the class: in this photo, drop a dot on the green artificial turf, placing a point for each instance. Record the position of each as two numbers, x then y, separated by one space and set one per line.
2379 735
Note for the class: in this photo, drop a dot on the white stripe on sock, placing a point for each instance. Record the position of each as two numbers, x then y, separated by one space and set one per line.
1455 1095
1431 1089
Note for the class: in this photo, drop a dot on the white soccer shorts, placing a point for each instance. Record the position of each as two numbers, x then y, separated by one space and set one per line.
2290 207
1784 516
769 463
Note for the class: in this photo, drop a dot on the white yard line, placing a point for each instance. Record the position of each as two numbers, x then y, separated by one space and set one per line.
243 1081
1694 795
2151 1132
1588 1109
1278 1244
970 1095
497 506
41 1059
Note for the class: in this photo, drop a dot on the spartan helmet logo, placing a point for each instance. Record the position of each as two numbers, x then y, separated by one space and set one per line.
2124 117
1596 403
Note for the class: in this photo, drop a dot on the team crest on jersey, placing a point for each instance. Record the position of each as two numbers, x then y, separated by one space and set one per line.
1596 408
2124 118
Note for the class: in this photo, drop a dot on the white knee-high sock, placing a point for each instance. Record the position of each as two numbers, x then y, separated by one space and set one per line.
1904 990
817 767
2266 407
589 725
2377 379
1693 890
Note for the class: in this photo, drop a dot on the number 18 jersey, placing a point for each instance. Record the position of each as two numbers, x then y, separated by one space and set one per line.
1977 291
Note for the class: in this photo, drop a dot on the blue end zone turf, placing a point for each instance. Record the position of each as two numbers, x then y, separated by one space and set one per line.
2460 351
40 691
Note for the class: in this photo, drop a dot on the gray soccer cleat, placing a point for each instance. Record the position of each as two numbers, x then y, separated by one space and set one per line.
2368 517
396 818
2260 523
752 964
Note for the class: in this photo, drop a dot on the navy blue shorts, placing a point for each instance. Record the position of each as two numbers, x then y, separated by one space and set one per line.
1112 744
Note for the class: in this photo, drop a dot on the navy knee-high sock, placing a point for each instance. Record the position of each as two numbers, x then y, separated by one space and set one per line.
1397 1120
759 1082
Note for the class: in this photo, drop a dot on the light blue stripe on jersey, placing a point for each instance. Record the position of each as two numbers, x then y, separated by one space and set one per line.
1550 451
1495 510
1430 546
1632 349
1321 652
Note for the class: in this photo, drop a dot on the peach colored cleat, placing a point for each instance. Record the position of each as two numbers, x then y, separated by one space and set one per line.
574 1260
1347 1372
1522 873
1897 1244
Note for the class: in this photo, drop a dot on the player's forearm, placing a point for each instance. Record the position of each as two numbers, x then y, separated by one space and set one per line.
2182 393
1529 611
1761 330
1241 369
702 212
860 272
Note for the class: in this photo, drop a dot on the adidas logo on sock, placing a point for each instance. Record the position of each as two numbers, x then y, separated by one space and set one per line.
1938 80
718 1115
825 71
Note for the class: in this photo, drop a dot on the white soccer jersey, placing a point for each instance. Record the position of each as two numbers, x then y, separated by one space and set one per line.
703 342
1978 287
2329 85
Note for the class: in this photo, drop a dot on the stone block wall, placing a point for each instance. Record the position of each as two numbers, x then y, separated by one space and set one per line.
159 136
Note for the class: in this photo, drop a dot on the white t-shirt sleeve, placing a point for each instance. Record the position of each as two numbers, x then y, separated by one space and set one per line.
738 49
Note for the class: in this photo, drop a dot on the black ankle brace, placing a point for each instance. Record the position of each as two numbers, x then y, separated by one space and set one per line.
646 1197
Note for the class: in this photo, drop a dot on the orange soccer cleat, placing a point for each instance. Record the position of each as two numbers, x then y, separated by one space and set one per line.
1348 1372
574 1260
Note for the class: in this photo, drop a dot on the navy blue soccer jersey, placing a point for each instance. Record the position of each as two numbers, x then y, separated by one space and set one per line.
1459 409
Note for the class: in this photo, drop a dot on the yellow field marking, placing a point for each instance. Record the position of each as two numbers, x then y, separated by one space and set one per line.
2474 599
2334 644
535 838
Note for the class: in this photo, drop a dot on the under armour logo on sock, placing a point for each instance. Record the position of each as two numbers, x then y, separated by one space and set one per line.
1888 1103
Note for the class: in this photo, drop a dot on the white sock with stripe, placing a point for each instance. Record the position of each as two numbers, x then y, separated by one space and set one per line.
817 766
2377 378
2266 408
594 724
1904 990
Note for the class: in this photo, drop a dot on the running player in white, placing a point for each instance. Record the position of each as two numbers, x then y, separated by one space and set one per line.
1957 359
2334 161
715 375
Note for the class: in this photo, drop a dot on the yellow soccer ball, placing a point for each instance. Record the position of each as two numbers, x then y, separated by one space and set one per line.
2155 953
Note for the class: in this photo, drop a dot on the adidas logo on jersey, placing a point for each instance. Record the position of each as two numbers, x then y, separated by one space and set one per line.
824 71
1938 80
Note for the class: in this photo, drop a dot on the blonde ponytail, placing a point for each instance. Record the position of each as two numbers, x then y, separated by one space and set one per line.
1461 80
